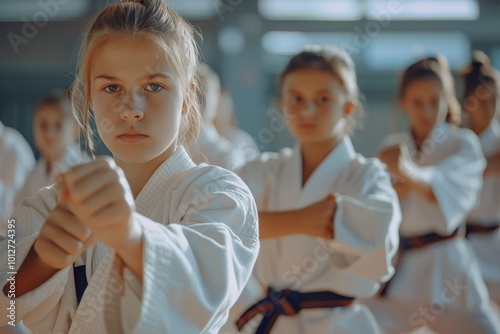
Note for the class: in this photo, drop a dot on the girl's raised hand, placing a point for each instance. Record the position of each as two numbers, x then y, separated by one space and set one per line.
317 218
390 156
100 197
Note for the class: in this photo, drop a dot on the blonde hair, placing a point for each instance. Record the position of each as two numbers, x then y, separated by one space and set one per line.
339 63
208 90
172 35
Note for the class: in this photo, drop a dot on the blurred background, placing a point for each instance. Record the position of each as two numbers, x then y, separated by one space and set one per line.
248 42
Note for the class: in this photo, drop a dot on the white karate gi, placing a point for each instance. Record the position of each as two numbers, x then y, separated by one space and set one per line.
439 286
39 178
16 161
487 212
200 244
214 149
242 142
366 226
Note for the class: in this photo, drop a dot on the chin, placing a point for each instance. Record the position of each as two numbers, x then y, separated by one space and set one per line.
132 156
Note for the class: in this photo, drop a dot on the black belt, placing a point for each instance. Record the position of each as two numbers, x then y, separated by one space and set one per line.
289 303
80 281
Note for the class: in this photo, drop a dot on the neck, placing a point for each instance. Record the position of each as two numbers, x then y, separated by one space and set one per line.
313 155
48 166
478 128
139 174
50 159
419 136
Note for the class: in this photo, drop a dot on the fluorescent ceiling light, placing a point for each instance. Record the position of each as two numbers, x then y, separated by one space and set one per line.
305 10
438 10
292 42
42 10
396 51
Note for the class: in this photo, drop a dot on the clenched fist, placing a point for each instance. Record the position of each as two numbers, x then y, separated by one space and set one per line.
100 197
62 238
317 218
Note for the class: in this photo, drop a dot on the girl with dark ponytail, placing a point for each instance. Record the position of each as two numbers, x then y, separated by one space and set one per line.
481 103
437 170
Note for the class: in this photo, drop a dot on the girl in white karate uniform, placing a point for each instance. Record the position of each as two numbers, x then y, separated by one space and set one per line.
328 216
437 170
481 102
16 161
166 245
211 147
55 131
227 126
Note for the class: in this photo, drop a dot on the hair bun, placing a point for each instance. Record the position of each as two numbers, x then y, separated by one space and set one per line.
480 62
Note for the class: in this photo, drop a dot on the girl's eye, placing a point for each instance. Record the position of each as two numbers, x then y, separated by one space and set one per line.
295 99
154 87
324 99
112 88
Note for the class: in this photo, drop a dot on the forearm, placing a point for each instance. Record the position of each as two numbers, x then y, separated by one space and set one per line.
278 224
417 179
401 187
132 252
493 167
422 187
32 273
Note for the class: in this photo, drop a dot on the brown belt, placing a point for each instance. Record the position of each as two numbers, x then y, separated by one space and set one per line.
477 228
418 242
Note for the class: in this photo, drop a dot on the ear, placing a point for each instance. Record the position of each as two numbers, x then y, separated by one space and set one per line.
349 107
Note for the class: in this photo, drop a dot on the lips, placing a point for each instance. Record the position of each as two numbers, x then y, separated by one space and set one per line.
132 137
307 126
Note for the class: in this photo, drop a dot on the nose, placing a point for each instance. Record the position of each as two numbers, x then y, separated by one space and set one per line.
309 108
133 107
429 111
131 114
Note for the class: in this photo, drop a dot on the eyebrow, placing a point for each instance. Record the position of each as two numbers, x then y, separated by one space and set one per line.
149 76
295 91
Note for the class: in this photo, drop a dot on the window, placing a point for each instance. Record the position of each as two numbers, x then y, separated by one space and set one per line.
423 9
392 51
316 10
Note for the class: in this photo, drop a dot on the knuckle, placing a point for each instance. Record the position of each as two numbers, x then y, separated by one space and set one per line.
106 162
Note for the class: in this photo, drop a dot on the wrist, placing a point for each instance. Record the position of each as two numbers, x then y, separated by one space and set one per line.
133 241
299 224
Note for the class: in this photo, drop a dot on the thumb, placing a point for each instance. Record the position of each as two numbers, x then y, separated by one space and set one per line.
89 242
62 190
